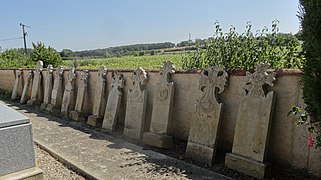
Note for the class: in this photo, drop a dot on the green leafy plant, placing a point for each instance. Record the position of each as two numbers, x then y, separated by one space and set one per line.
14 58
47 54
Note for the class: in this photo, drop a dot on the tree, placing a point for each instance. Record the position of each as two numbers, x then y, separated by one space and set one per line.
66 53
47 55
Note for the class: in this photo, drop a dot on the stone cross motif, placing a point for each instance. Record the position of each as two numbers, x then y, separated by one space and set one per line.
26 88
56 90
113 103
37 76
165 71
48 87
258 79
68 93
211 78
18 74
139 79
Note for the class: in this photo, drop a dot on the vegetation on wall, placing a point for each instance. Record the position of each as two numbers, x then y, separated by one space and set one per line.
14 58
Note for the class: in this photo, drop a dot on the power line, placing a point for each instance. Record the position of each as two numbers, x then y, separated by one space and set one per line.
10 39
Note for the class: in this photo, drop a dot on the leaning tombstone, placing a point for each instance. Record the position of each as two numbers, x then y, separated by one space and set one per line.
136 106
205 124
17 155
26 86
36 84
96 118
159 134
77 114
48 88
18 74
68 93
56 92
113 103
252 125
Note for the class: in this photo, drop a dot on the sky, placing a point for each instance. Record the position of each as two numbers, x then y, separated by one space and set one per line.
92 24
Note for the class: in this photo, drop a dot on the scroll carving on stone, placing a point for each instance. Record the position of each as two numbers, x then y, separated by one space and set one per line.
18 74
136 105
77 114
26 87
57 90
36 84
205 124
48 87
160 127
253 124
113 103
68 93
96 118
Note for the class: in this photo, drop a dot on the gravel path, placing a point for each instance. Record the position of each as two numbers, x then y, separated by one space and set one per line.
52 168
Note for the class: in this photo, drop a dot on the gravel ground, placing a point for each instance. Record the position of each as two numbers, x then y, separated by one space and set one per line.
52 168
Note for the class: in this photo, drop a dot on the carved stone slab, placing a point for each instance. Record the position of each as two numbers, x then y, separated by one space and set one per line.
37 76
96 118
18 74
205 124
136 106
26 88
252 125
113 103
68 93
48 87
160 127
56 92
81 93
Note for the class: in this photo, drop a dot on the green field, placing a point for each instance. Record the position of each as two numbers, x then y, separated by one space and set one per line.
128 62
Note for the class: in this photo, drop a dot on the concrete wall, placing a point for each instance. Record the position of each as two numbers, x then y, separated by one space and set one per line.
287 145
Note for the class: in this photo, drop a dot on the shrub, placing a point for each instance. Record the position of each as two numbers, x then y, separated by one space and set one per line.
14 58
47 55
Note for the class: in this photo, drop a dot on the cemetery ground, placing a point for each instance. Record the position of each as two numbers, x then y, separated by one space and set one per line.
131 160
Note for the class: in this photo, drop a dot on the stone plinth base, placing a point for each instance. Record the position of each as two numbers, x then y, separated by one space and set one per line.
158 140
43 106
200 153
94 120
248 166
77 116
32 102
28 174
52 109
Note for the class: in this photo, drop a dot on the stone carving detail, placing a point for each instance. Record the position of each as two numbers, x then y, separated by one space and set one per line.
204 127
252 125
160 128
37 76
113 103
136 105
95 119
48 87
26 86
56 92
68 93
18 74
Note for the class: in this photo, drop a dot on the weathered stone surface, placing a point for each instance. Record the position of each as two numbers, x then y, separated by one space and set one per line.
253 124
26 88
204 128
163 101
48 87
136 106
77 114
113 103
96 118
36 84
18 74
27 174
68 93
56 92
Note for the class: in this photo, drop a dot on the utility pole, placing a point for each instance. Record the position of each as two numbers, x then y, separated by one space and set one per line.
24 34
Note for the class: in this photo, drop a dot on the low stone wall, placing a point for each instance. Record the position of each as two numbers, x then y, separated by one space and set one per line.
287 145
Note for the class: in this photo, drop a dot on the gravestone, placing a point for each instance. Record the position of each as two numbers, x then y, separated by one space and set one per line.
113 103
205 124
26 86
96 118
136 106
17 156
56 93
159 134
48 87
252 125
18 74
68 93
77 114
36 84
